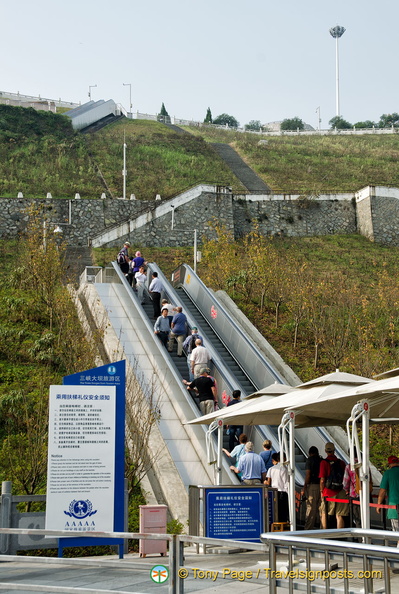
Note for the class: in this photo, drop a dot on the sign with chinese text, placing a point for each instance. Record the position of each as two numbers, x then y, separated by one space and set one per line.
81 459
234 513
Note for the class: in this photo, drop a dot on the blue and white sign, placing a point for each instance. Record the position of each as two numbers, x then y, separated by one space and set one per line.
81 459
234 513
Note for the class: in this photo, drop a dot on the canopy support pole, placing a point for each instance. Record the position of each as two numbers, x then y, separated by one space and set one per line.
219 453
288 449
361 411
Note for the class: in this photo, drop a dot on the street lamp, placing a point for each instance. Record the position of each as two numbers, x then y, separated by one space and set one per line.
90 88
337 32
130 94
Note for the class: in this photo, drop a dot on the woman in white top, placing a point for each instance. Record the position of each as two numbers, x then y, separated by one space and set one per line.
141 277
277 477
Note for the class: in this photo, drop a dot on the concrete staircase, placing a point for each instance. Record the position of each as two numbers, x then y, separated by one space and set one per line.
245 174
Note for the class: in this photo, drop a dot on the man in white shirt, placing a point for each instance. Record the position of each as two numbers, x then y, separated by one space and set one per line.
156 288
199 358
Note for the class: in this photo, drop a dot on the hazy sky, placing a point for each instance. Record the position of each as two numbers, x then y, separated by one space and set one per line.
258 60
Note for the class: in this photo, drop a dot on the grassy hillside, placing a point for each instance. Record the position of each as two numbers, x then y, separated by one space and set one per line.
40 153
159 161
315 164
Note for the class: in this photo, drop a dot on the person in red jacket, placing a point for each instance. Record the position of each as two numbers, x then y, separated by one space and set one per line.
332 468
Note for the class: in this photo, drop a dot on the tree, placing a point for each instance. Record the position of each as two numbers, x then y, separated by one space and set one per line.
292 124
389 119
365 124
163 115
208 117
253 125
339 123
224 119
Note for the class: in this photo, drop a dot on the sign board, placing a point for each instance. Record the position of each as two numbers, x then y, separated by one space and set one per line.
234 513
81 455
106 478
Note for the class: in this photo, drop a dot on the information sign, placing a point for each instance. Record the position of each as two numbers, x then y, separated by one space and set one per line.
96 467
81 454
234 513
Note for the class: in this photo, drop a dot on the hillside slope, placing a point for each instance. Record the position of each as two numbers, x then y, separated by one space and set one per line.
40 153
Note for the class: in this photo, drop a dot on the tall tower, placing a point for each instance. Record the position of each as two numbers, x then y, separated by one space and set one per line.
337 32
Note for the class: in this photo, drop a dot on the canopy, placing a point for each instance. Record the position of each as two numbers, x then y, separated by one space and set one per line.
265 395
315 406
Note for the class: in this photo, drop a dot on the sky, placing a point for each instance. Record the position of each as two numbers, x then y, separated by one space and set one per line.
255 60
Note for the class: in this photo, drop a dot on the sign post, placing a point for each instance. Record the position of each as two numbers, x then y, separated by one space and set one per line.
85 487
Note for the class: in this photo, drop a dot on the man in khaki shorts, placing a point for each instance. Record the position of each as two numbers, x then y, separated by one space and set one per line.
331 476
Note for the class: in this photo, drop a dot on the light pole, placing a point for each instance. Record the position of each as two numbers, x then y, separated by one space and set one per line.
130 94
124 172
319 118
90 88
337 32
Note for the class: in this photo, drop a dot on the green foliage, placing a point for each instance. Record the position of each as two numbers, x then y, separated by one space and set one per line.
322 302
19 123
208 117
292 124
224 119
253 125
387 120
366 124
40 341
174 527
163 115
339 123
158 159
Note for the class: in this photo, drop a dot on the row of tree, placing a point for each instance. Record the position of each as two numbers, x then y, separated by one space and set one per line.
292 124
343 321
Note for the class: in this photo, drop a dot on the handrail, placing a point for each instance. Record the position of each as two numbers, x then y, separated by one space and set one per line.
162 351
221 367
232 322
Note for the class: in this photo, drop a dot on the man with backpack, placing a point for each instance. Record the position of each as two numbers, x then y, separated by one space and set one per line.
123 258
331 477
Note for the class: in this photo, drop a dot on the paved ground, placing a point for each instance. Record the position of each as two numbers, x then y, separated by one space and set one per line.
245 572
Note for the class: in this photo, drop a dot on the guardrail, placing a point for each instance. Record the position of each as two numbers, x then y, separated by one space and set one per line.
361 561
305 561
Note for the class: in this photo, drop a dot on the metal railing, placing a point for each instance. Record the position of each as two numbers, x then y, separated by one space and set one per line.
305 561
360 564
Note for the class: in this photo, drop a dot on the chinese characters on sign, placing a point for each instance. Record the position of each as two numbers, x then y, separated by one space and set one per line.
234 513
81 458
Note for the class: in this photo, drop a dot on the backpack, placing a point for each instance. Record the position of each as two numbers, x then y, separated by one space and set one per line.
335 478
191 345
121 257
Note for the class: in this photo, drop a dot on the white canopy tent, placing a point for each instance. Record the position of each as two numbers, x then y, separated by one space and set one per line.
215 420
315 403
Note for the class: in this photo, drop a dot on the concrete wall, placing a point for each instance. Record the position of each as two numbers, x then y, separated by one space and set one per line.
378 214
373 212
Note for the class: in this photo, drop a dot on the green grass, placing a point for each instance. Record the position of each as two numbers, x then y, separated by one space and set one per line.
158 160
40 153
315 164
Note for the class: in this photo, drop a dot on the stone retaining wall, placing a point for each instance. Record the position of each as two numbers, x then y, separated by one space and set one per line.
149 223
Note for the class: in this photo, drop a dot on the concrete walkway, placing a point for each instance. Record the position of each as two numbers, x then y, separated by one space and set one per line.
245 174
218 573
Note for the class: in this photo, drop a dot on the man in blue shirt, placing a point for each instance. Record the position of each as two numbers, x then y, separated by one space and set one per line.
179 331
251 466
